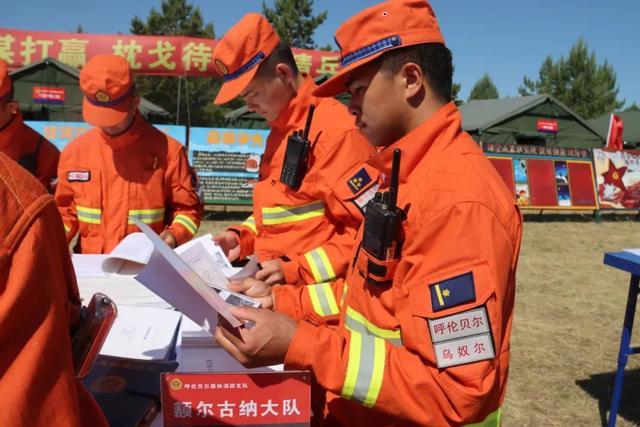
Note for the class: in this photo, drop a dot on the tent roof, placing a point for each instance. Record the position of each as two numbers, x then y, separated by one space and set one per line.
630 121
482 114
146 106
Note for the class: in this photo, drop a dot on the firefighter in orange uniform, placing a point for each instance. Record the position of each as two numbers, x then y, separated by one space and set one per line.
21 143
39 302
419 332
300 234
124 168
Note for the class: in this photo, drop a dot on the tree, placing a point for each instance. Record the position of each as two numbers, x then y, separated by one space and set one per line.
633 107
578 81
79 29
195 95
484 89
294 22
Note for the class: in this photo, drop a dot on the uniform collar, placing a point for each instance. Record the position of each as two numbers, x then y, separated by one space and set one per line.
10 130
298 107
128 137
416 143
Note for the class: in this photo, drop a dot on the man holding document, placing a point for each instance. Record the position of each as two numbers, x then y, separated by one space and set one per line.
419 331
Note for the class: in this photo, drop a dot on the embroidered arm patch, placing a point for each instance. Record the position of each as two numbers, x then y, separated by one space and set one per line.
359 180
452 292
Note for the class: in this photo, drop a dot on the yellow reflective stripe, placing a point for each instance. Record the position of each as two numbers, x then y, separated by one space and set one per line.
66 228
321 267
89 215
187 222
148 216
365 369
285 214
322 299
357 322
344 293
251 224
492 420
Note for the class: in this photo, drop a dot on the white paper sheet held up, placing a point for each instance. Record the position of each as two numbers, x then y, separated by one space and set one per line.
130 255
205 266
210 246
88 265
142 333
167 275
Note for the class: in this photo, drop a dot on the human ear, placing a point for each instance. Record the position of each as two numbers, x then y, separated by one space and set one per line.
412 79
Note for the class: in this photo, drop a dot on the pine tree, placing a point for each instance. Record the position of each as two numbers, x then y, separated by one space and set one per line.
294 21
578 81
633 107
180 18
484 89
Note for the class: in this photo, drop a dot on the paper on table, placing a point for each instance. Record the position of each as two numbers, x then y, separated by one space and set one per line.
249 270
142 333
121 289
635 251
130 255
88 265
210 246
167 275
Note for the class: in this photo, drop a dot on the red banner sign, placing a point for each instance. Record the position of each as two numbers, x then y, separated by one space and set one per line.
260 398
154 55
48 95
548 126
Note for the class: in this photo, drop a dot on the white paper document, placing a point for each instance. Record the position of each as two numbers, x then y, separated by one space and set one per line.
249 270
171 278
142 333
205 266
633 251
88 265
121 289
214 250
130 255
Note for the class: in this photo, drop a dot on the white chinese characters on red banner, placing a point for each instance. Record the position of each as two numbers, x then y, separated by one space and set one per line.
261 398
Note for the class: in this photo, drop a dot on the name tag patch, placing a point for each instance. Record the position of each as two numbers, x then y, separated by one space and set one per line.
452 292
364 198
79 176
462 338
359 180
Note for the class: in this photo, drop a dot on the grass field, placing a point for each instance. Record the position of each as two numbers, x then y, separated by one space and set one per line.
569 313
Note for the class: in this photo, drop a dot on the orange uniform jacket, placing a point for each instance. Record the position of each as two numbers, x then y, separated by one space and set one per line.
312 228
18 140
432 347
39 302
142 173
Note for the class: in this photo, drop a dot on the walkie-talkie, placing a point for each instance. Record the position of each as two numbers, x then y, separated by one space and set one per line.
383 219
295 155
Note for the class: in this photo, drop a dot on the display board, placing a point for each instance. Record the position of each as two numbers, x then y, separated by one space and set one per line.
546 177
617 178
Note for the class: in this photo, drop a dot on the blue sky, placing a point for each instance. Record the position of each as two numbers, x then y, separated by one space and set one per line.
506 38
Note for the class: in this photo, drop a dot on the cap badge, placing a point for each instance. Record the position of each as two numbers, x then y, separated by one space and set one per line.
221 67
103 96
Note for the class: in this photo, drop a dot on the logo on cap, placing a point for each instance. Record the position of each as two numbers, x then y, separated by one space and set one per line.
103 96
221 67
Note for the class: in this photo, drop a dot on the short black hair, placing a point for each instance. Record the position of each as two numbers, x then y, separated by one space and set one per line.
435 60
281 55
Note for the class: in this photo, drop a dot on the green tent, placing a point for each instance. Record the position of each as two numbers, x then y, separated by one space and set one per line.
54 74
516 121
630 121
242 118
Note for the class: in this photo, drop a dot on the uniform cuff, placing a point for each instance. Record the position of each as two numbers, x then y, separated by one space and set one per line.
286 300
291 270
300 346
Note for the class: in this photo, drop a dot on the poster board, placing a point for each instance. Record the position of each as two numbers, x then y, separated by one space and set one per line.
617 178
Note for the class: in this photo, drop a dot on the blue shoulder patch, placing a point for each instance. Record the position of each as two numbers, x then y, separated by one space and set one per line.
451 292
359 180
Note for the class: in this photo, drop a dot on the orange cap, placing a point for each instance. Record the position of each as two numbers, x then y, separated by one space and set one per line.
238 54
5 80
379 29
108 88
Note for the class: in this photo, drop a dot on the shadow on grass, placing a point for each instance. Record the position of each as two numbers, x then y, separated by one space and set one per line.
230 215
600 387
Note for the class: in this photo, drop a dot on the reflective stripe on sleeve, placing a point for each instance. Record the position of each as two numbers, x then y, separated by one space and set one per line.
148 216
365 369
89 215
66 228
321 267
322 299
186 222
356 322
284 214
251 224
345 288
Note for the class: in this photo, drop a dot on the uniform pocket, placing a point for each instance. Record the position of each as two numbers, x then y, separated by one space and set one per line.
147 199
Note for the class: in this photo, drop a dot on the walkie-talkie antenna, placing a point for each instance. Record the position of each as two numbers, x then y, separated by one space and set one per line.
308 125
395 175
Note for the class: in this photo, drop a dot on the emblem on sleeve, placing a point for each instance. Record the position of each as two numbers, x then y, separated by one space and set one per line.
359 180
452 292
79 176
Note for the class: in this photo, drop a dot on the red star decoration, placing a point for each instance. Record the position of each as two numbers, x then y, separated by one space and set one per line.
614 176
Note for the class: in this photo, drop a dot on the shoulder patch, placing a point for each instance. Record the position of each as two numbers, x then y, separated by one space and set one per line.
452 292
359 180
79 176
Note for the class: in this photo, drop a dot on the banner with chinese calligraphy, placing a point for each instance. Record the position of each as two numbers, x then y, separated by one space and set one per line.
62 133
546 177
227 162
618 178
153 55
259 398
